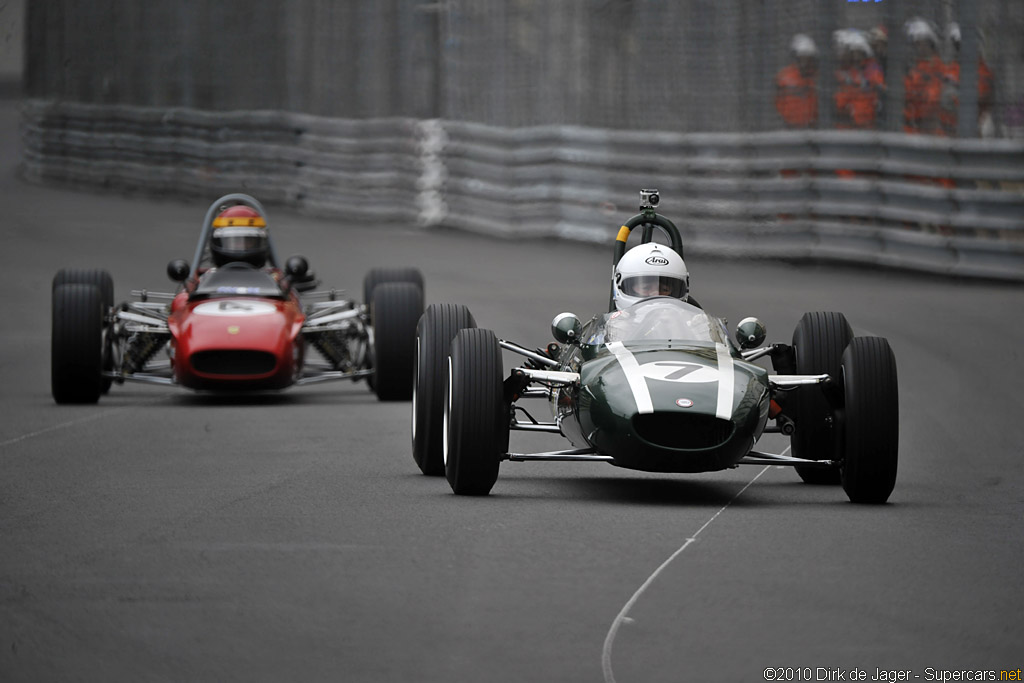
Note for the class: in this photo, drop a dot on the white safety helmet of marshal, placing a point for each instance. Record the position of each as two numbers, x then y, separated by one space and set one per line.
803 45
857 41
920 29
851 40
649 270
953 33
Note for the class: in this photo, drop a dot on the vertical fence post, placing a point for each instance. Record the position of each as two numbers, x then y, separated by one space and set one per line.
826 73
762 89
967 122
895 68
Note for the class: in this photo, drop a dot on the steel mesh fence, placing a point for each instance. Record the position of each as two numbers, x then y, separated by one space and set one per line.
682 66
698 66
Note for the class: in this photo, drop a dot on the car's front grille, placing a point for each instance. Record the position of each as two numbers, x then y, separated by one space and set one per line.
680 431
234 362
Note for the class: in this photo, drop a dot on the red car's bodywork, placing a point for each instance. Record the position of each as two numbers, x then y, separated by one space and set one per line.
236 342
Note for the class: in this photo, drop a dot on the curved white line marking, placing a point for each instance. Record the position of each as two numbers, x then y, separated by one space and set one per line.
81 420
606 652
634 375
62 425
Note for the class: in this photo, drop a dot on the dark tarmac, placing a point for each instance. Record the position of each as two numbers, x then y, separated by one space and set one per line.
161 535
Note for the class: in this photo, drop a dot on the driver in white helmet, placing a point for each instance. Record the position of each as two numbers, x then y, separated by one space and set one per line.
650 270
645 271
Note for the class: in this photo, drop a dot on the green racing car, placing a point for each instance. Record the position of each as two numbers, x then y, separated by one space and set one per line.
659 385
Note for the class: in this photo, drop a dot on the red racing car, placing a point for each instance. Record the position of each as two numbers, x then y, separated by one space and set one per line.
238 321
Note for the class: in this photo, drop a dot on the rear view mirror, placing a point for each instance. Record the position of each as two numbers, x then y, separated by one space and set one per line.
296 267
178 270
566 328
750 333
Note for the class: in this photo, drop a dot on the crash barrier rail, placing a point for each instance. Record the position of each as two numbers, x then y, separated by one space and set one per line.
921 203
360 169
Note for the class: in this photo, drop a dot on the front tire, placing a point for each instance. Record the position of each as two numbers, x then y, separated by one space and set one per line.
476 418
105 283
97 277
872 421
76 344
818 340
434 334
395 309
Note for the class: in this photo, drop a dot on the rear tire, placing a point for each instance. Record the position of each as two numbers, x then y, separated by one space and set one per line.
396 307
378 276
76 344
872 421
818 341
434 334
476 418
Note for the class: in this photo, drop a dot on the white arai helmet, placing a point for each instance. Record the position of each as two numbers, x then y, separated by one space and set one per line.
649 270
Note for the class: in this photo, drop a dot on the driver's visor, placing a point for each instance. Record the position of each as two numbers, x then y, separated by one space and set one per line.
653 285
240 239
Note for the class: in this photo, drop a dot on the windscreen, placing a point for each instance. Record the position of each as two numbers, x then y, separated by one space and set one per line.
237 282
659 319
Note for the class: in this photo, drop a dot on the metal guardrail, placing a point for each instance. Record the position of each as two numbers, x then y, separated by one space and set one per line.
361 170
914 202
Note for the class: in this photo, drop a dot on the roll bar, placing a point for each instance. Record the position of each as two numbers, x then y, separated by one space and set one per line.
649 220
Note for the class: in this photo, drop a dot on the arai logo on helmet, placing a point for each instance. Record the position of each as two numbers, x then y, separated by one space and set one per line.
656 261
684 403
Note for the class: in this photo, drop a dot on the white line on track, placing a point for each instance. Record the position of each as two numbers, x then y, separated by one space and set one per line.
62 425
81 420
606 653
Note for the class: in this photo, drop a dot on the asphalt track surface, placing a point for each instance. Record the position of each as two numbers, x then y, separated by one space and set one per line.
162 535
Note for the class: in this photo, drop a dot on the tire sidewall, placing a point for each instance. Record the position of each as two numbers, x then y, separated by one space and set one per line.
476 419
871 420
76 343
